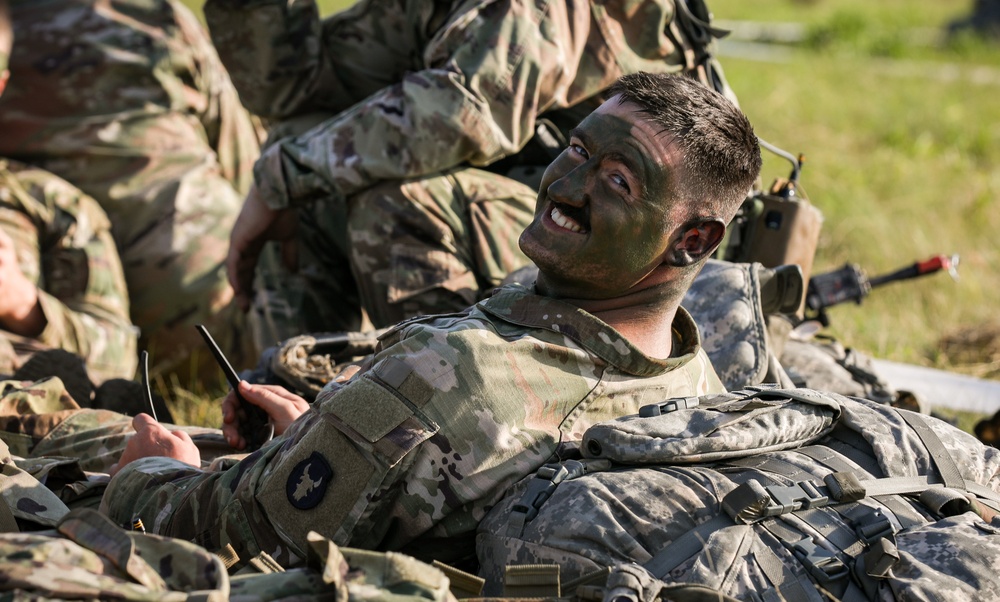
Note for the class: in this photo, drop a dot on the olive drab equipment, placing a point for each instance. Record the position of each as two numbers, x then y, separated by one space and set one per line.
762 494
779 226
86 556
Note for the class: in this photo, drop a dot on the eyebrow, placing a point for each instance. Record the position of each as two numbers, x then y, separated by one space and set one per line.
613 155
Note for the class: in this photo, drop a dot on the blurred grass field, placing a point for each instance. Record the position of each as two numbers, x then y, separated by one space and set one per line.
900 126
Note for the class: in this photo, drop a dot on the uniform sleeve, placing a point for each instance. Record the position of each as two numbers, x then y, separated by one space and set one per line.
65 245
332 472
286 61
228 127
473 96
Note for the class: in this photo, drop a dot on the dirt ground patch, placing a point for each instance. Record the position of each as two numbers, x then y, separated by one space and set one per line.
975 350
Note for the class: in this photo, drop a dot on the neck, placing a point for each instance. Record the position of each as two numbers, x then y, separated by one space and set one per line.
645 317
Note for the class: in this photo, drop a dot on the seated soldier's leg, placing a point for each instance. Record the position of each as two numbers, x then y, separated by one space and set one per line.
435 244
320 294
175 273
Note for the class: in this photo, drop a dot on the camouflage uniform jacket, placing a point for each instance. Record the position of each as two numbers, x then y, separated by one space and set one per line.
63 243
417 87
454 409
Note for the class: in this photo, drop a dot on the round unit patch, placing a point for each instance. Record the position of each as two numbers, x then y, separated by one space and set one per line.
308 481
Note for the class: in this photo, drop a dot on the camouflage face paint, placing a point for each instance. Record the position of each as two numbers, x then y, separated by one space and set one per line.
603 216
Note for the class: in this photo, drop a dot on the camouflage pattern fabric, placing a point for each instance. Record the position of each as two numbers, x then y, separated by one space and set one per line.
454 409
824 363
472 218
724 301
63 243
31 505
734 305
40 419
416 91
129 101
416 87
87 557
674 474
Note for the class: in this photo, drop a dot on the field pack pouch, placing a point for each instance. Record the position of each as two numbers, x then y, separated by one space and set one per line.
777 227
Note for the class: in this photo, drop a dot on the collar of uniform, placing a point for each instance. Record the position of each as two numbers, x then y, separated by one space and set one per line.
517 305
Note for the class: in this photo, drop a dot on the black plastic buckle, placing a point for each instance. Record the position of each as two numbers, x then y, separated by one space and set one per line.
820 562
546 479
873 527
670 405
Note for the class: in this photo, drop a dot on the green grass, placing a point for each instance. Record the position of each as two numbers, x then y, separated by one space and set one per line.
901 132
902 154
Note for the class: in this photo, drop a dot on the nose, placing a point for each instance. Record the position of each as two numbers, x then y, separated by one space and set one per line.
568 189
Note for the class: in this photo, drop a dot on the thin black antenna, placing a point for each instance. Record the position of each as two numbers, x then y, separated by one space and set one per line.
144 361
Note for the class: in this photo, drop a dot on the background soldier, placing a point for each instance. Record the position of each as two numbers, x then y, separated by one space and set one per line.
61 283
129 102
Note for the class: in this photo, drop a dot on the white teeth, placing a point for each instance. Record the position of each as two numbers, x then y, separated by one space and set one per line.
564 221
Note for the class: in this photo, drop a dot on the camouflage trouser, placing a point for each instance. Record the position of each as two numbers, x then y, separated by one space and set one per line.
399 249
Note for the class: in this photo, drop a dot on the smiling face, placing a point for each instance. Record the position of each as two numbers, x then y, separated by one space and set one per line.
606 215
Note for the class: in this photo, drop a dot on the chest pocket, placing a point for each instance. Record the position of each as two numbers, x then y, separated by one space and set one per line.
331 469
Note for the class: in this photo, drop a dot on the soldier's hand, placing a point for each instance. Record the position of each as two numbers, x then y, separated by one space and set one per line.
20 311
281 405
153 439
256 225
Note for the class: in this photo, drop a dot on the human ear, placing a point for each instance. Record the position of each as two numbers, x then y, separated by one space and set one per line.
697 240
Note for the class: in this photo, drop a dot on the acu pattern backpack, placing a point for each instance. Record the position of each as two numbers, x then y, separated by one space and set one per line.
761 494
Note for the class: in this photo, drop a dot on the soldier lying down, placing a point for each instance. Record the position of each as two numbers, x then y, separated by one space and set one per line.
454 409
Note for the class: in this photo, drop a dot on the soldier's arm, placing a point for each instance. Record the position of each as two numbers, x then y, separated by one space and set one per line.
322 475
285 61
228 126
482 83
75 263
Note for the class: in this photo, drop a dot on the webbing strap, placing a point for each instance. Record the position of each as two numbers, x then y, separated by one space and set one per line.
685 546
265 564
8 524
787 584
461 583
833 460
826 568
531 581
229 556
946 466
832 530
904 514
773 465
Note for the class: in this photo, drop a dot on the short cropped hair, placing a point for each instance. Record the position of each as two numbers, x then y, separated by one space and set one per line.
721 154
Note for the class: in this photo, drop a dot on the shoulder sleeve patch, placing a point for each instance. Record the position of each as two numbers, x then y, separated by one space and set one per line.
307 482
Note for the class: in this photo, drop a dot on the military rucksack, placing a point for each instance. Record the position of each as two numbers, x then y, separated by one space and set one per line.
762 494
